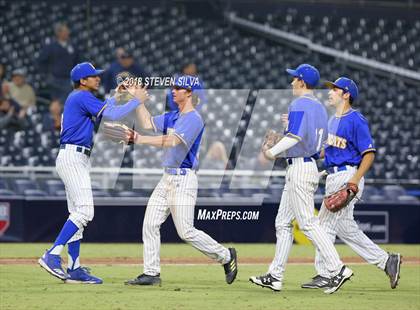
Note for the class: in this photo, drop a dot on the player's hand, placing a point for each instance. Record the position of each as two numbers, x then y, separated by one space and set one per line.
354 180
322 174
268 155
131 136
139 93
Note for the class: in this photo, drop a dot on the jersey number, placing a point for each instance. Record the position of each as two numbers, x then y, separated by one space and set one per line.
61 130
319 133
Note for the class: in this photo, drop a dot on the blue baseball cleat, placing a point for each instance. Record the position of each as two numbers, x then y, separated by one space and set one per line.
82 275
52 264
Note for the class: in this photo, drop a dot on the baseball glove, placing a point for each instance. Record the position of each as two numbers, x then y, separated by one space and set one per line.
341 198
117 132
271 139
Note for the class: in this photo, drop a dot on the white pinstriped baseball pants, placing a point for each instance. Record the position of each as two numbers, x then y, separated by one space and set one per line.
343 225
73 168
176 195
297 202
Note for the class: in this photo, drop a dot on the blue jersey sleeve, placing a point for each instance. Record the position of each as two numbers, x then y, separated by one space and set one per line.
296 125
363 139
297 120
92 105
114 112
158 122
188 127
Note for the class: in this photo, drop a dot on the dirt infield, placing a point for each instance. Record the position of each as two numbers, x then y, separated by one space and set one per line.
413 260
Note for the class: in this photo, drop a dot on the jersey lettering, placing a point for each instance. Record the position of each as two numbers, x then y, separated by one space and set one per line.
336 141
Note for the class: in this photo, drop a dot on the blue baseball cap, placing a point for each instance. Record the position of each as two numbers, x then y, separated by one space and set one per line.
346 84
188 82
83 70
309 74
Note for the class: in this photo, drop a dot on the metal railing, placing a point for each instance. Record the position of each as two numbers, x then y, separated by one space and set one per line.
47 172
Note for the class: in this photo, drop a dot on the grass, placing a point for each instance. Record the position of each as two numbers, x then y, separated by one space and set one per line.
93 250
200 286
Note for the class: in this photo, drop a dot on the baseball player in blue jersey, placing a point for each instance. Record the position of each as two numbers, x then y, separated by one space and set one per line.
176 193
349 153
81 110
304 136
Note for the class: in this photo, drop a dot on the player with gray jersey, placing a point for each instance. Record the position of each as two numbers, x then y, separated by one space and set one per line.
176 193
81 111
349 153
305 133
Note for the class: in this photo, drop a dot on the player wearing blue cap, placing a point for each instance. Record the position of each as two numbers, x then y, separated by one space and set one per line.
81 110
176 193
304 136
349 153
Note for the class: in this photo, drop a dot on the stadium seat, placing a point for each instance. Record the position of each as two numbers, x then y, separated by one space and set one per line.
34 192
368 191
376 198
127 194
408 198
392 192
54 187
6 192
227 57
3 184
100 193
21 185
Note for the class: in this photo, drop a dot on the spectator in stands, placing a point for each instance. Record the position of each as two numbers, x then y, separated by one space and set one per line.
52 120
56 60
124 62
9 117
216 157
261 163
190 69
20 91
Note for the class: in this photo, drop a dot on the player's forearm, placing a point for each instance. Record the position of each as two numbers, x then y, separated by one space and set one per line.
158 141
364 166
113 112
283 145
144 117
322 153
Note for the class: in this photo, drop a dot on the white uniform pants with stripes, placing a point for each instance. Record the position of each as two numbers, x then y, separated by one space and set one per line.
297 202
343 225
73 168
176 195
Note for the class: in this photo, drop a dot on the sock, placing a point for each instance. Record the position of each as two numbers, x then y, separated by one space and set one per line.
68 230
74 250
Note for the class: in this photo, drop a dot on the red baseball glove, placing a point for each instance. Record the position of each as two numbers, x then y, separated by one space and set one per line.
341 198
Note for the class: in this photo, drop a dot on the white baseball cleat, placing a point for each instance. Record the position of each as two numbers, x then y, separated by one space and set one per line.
337 281
267 280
